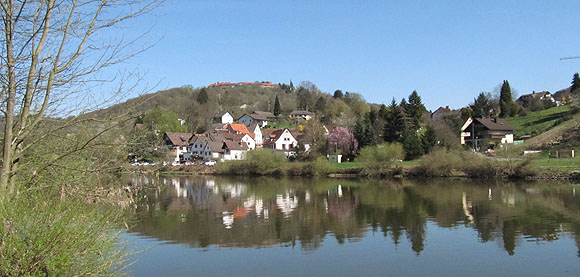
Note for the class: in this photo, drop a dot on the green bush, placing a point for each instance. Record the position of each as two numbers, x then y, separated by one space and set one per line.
439 163
257 162
44 236
381 156
320 166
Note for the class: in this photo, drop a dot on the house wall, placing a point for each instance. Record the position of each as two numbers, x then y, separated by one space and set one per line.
249 141
286 141
231 155
245 119
258 136
227 118
197 148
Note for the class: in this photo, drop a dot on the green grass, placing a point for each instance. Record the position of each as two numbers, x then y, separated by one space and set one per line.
545 163
347 165
280 125
538 122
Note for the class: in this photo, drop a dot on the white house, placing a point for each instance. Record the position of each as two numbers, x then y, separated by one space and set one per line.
254 128
234 151
197 146
262 118
282 140
223 117
480 132
178 143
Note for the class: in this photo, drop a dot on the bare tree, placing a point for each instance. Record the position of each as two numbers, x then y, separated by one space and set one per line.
51 54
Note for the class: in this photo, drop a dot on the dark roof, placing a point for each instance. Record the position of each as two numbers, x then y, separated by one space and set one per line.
495 124
441 111
301 112
178 139
219 114
535 95
215 146
258 115
231 145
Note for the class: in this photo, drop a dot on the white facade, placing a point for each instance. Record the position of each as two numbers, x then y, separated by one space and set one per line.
257 135
285 141
209 153
509 138
234 155
227 118
249 141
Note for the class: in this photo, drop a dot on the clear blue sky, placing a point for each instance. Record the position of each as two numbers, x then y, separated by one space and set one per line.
448 51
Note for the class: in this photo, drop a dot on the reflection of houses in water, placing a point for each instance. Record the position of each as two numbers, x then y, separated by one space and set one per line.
286 203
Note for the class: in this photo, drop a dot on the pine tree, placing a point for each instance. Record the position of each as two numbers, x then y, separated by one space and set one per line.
394 124
412 145
202 96
320 105
506 101
429 139
414 110
575 88
338 94
481 106
277 108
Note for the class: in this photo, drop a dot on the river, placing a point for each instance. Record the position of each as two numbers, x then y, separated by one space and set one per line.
194 226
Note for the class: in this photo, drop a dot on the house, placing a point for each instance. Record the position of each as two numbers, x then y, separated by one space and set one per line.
197 146
237 128
440 113
301 115
213 150
526 99
223 117
482 132
282 140
234 150
262 118
178 144
255 129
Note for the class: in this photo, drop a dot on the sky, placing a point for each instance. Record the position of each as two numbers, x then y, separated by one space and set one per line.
449 51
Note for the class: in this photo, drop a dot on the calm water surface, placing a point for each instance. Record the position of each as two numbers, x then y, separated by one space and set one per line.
320 227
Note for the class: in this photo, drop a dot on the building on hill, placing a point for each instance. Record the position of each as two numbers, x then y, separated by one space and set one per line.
255 129
483 133
178 144
262 118
440 113
237 128
223 118
526 99
297 115
562 96
234 150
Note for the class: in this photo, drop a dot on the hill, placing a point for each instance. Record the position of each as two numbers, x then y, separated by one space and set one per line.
540 121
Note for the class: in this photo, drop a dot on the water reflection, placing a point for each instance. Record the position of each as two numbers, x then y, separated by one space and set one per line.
263 212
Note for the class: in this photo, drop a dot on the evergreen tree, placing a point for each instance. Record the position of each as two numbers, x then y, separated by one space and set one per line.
506 102
481 106
394 124
320 105
277 108
412 145
291 86
429 139
383 111
575 88
338 94
414 110
202 96
364 132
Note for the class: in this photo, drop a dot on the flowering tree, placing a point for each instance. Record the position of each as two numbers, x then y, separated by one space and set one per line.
342 141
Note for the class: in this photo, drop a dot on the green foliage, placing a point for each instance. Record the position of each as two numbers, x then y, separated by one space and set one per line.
394 124
364 132
412 145
41 235
540 121
162 120
202 96
258 162
277 107
575 87
506 104
414 110
429 139
338 94
481 106
381 156
320 105
439 162
321 166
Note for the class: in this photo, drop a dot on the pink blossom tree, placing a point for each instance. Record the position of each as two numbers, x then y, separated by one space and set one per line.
341 141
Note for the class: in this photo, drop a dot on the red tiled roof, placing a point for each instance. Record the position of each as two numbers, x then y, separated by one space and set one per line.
238 127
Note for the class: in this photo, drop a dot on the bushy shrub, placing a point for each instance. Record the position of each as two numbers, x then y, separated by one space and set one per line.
320 166
381 157
44 236
439 163
257 162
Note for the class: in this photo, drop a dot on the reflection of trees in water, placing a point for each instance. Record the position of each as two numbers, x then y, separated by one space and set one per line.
289 212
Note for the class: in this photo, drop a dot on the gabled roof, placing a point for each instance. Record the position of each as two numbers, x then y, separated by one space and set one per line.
231 145
495 124
238 127
535 95
219 114
215 146
441 110
178 139
275 135
258 115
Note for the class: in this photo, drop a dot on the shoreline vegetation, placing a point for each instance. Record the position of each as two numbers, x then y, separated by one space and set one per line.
440 163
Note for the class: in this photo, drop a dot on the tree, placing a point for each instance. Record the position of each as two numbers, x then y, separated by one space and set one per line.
575 88
338 94
202 96
320 105
412 145
394 124
481 106
342 141
506 102
414 110
163 120
364 132
50 51
429 139
277 107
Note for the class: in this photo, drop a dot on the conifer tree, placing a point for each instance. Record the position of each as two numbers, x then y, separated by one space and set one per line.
506 102
481 106
338 94
394 124
429 139
320 104
414 110
277 108
202 96
575 88
412 145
